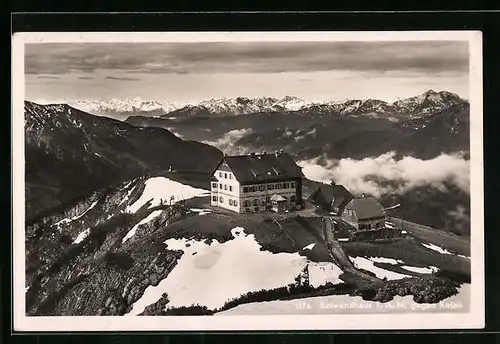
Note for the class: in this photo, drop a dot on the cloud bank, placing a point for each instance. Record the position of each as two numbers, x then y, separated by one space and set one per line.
227 142
248 57
384 174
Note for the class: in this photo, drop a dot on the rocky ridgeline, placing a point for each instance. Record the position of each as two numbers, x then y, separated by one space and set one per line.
76 263
423 289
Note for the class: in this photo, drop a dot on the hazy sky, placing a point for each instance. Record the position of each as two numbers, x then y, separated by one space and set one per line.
187 72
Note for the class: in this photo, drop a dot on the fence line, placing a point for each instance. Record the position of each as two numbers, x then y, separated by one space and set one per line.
285 231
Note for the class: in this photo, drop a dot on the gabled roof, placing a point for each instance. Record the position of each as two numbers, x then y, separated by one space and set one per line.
263 167
367 208
277 198
335 196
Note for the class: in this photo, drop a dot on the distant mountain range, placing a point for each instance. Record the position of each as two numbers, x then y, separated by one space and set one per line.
425 103
70 153
446 131
423 126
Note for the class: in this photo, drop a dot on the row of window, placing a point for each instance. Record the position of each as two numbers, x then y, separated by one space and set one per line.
232 202
222 186
370 225
257 202
277 186
225 175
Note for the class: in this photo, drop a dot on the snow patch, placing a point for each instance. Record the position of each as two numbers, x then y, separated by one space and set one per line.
420 270
386 260
309 247
160 190
437 248
150 217
442 250
129 192
221 271
82 236
201 211
78 216
125 186
366 264
323 272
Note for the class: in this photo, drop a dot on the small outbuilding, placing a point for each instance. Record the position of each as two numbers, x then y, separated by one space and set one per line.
331 197
364 213
278 203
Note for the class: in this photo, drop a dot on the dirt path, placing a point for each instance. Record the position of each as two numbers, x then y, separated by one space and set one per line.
338 255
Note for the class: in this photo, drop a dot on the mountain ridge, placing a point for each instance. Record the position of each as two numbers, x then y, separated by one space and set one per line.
122 109
65 146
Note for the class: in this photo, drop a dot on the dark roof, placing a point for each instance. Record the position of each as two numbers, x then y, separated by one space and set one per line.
331 196
263 167
367 208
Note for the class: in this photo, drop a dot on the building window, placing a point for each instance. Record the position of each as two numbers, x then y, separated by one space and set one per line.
230 202
256 209
292 185
235 203
214 185
247 210
292 199
285 185
225 187
230 188
230 176
270 186
214 198
255 202
245 189
277 186
221 200
220 186
220 174
225 175
262 187
254 188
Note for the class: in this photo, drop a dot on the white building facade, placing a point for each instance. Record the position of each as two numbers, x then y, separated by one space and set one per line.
254 195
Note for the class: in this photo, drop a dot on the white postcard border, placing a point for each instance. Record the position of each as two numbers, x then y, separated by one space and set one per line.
473 319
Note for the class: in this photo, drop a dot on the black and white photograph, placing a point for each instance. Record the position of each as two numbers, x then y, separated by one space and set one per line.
247 181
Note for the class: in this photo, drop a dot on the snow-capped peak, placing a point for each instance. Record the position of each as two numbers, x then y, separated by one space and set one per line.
291 103
128 105
428 102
